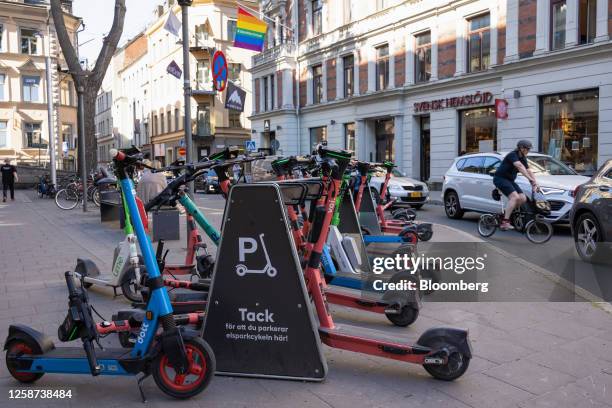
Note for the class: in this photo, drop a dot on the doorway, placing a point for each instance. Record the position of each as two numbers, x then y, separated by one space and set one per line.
425 136
268 141
385 135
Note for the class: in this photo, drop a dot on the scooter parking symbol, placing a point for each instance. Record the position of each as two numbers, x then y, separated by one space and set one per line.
247 245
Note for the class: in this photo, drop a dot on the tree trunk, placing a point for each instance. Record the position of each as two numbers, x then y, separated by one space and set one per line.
91 142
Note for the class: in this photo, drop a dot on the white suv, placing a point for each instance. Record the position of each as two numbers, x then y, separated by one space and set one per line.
468 184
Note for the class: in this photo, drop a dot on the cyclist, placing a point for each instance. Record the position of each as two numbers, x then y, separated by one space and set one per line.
505 177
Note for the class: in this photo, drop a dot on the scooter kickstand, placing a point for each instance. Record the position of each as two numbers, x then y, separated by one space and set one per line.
140 381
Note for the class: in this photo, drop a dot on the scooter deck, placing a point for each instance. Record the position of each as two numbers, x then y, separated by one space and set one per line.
79 352
372 342
349 297
178 295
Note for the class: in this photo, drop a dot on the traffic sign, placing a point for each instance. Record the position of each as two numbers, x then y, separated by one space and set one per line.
219 71
182 151
250 145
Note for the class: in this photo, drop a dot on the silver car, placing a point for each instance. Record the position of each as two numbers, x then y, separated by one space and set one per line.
468 184
406 190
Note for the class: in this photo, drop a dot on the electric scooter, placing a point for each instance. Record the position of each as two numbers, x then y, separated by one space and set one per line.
445 353
180 361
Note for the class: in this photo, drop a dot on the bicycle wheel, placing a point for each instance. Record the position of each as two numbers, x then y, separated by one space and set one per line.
66 199
95 195
538 231
487 224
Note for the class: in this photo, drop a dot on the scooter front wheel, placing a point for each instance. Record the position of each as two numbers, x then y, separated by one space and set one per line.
405 317
129 287
195 380
17 348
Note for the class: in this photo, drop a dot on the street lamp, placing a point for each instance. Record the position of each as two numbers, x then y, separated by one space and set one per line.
48 80
185 4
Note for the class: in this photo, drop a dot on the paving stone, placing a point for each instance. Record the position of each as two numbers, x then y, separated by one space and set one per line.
563 397
529 376
577 365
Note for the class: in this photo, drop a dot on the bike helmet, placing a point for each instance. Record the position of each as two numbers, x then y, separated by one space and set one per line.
524 143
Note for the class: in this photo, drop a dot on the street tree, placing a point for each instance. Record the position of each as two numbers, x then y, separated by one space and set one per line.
88 81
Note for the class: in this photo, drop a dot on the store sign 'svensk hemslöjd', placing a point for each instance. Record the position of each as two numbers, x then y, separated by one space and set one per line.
478 98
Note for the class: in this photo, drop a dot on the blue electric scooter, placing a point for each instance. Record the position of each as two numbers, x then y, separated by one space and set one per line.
180 361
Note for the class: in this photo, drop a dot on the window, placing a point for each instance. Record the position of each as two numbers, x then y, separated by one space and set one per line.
265 95
3 134
231 30
479 43
348 64
162 123
177 122
1 35
272 92
349 136
473 165
170 121
317 84
155 125
347 11
385 140
203 75
570 128
66 137
422 57
33 136
30 88
66 93
587 14
2 81
490 165
203 125
381 4
317 17
234 119
234 71
382 67
557 26
29 41
478 130
317 135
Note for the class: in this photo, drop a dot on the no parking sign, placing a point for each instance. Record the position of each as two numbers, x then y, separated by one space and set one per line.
219 71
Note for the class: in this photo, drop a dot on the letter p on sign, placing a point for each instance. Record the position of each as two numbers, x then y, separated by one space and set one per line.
246 246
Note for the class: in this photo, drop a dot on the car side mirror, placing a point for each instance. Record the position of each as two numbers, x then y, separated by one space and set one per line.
492 172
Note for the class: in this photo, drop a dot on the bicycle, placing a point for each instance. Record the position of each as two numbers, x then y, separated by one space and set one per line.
537 230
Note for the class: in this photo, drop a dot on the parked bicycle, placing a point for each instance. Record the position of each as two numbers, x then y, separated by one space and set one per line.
537 229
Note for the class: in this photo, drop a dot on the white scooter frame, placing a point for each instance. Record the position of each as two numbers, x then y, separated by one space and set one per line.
271 271
344 250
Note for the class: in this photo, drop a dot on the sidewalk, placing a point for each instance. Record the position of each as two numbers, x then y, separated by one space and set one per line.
527 354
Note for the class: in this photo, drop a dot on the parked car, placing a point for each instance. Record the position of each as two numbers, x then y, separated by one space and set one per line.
208 182
591 215
406 190
468 184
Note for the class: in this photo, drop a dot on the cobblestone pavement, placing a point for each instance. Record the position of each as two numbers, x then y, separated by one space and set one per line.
526 354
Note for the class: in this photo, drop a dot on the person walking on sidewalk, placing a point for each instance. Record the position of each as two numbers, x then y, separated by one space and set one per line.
9 178
505 176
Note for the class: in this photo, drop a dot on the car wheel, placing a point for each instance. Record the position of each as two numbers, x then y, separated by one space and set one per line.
588 238
452 207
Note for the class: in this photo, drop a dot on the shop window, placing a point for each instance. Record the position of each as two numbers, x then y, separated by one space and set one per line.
587 13
385 137
478 130
479 43
317 17
382 67
317 84
570 128
349 136
317 135
29 41
348 64
422 57
557 26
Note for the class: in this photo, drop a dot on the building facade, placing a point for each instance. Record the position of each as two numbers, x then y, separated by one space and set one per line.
104 117
27 36
420 82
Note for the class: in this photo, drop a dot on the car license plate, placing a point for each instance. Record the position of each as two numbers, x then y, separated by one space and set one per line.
415 195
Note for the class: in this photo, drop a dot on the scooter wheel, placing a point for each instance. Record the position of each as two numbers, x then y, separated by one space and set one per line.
455 367
405 318
425 236
130 288
200 372
19 347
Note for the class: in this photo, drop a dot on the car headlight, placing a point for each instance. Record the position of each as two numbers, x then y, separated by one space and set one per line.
551 190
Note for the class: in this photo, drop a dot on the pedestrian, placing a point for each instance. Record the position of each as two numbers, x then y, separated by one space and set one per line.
9 178
150 184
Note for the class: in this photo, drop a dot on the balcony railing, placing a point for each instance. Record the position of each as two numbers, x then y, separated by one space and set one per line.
271 54
202 86
201 41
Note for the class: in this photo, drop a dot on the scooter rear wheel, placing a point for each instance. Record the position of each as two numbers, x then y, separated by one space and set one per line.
200 372
405 317
455 367
21 347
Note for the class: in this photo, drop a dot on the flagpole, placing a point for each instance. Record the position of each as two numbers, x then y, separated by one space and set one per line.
264 16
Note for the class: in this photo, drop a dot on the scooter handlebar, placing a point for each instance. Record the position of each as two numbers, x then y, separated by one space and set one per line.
91 357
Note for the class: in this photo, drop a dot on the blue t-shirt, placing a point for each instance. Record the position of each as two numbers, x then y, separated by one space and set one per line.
507 169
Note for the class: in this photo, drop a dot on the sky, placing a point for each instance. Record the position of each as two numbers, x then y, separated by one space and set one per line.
98 18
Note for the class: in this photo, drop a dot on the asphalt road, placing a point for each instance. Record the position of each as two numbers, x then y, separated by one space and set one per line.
557 256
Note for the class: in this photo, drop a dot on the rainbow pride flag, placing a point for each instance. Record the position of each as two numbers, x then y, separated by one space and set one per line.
250 31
